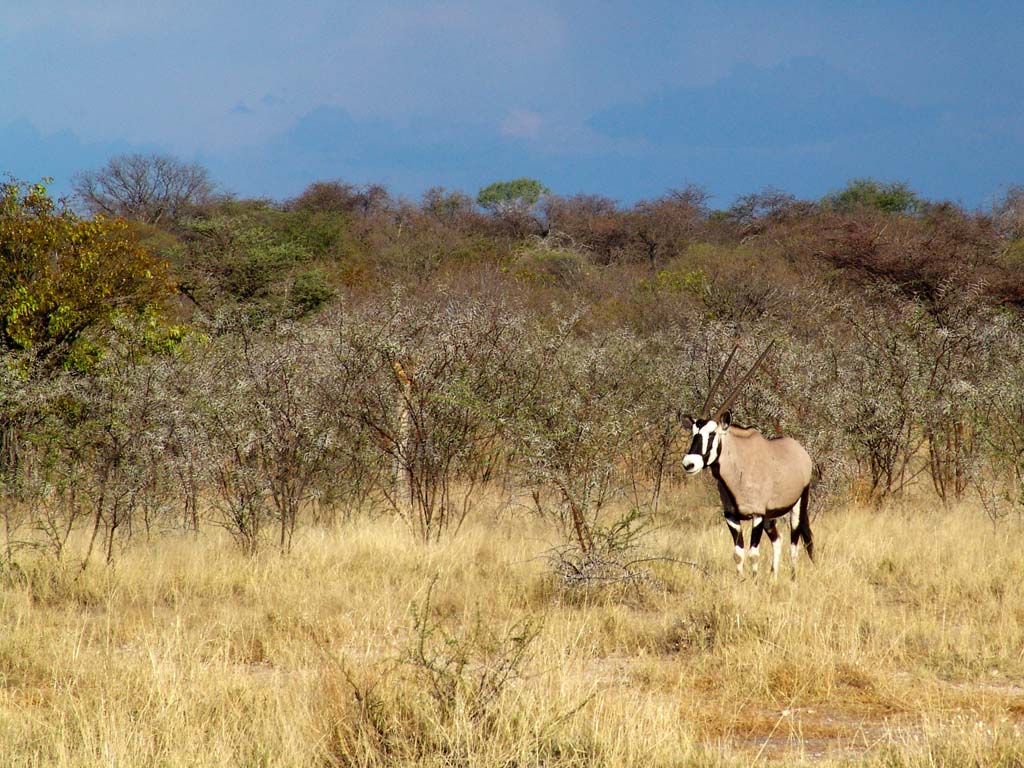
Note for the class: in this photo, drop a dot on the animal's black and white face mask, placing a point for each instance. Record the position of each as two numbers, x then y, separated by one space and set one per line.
706 445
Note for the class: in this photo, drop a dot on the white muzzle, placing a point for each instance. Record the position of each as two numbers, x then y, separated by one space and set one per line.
693 463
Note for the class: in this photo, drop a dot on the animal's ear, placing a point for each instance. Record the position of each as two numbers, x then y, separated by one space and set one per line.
726 420
686 421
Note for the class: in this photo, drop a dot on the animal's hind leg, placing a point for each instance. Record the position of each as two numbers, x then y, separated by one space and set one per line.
805 524
776 540
737 540
795 529
794 534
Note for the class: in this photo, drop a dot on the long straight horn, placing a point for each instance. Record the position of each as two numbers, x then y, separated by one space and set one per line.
706 409
746 377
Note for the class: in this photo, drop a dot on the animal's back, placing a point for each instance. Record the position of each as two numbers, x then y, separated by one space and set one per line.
794 455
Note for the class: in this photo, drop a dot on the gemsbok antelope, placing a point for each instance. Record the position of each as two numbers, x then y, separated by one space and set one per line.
759 479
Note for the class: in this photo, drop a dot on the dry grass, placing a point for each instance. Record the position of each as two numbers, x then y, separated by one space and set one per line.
902 646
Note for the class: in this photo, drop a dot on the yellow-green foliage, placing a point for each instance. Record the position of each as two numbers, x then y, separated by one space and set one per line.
678 279
901 646
60 274
1015 251
540 264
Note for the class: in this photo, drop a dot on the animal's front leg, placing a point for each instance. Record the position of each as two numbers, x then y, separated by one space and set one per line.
737 540
757 528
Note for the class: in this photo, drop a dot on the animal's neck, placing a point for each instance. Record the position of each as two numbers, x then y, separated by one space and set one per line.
722 466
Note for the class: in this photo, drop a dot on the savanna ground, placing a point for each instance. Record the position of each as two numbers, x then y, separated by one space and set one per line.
902 645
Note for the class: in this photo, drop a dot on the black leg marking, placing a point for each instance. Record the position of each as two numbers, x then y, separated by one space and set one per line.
805 523
755 532
755 543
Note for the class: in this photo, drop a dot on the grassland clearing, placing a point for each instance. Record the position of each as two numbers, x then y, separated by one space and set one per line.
902 646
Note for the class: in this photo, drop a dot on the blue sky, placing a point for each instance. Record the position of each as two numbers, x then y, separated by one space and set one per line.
624 99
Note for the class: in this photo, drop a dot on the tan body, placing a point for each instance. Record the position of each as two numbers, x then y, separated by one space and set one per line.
765 477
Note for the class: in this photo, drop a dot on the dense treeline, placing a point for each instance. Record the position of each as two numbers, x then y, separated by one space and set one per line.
254 364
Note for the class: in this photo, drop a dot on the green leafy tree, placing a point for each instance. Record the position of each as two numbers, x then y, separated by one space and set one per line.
243 257
511 197
891 197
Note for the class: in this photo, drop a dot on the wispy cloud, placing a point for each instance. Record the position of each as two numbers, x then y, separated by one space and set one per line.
522 124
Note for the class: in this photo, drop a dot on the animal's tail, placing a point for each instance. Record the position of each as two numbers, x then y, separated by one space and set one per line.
804 526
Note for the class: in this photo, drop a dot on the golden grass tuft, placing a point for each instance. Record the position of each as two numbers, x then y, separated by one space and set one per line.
901 646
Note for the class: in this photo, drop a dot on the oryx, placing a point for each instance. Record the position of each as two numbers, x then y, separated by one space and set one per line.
759 479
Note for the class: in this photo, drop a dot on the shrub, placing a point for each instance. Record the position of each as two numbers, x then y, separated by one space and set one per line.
310 291
547 264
